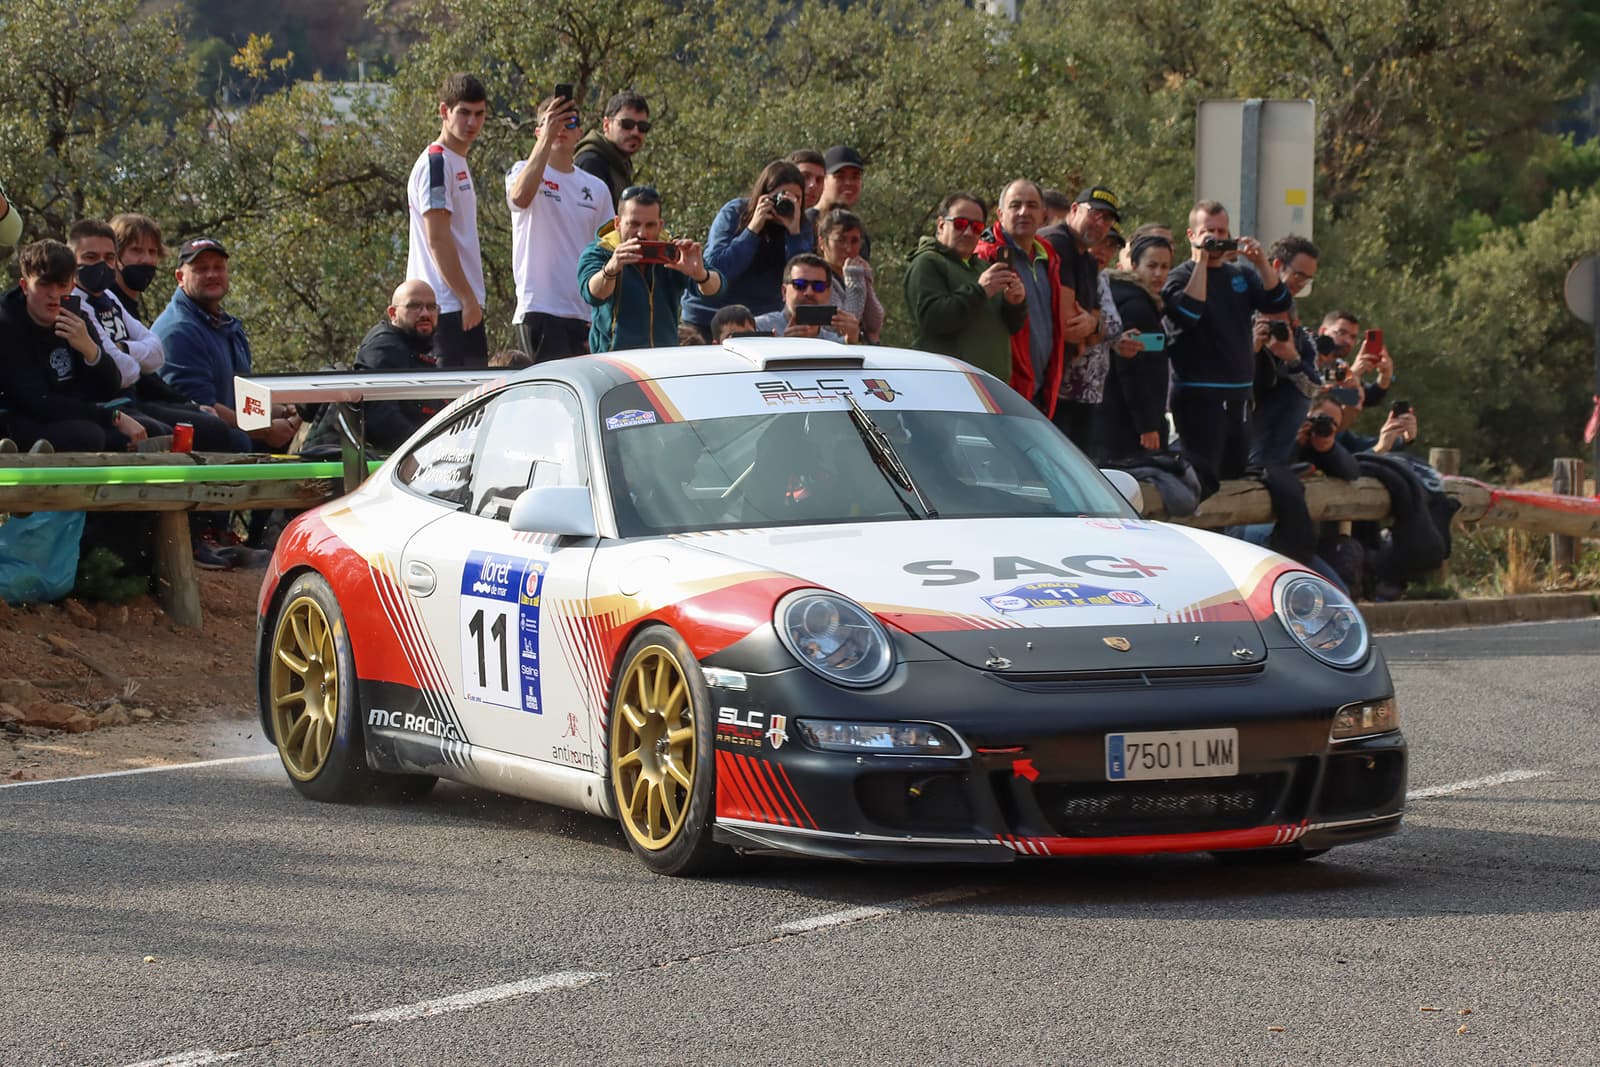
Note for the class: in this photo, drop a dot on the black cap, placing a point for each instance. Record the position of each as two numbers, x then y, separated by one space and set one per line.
1103 199
841 156
196 245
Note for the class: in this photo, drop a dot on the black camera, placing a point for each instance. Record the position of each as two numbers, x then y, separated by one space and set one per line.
1279 331
1220 244
783 205
1326 346
1322 425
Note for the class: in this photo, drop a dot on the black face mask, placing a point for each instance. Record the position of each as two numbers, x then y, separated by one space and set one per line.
139 276
96 277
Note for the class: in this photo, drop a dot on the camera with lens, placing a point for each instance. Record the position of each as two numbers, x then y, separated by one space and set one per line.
1220 244
1278 331
1326 346
783 205
1322 425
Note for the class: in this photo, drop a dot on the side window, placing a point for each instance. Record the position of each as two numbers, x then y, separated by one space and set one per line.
441 465
533 436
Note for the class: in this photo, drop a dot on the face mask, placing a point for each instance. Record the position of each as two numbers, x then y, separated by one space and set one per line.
139 277
96 277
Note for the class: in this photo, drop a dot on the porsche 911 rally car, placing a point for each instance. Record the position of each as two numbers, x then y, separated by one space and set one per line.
783 595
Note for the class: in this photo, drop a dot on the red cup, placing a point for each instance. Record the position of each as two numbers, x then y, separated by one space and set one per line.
183 437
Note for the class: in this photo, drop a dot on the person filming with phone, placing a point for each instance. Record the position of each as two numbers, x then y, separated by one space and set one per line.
808 308
634 276
751 239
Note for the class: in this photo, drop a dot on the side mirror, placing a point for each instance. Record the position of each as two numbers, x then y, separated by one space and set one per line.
564 510
1128 486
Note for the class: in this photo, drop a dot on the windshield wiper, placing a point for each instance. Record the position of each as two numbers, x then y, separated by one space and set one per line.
884 455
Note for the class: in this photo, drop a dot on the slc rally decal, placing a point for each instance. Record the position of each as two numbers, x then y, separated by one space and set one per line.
1064 595
500 630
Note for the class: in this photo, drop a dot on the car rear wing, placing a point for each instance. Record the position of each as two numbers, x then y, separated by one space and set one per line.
256 396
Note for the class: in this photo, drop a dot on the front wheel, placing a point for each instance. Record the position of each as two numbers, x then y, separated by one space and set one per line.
663 779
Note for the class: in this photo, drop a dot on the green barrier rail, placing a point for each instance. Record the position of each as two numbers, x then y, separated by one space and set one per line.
166 475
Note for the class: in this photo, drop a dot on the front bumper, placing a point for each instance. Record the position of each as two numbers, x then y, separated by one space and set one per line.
1034 783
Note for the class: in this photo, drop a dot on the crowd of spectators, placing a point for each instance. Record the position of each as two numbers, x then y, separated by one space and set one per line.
1133 344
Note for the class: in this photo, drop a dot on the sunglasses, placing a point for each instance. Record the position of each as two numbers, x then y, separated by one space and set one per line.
961 225
645 194
817 285
629 125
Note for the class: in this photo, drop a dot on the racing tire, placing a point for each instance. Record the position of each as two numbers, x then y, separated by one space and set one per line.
1249 857
662 768
309 690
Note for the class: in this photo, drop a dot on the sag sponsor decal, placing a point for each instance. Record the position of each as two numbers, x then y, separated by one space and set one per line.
1064 595
939 572
426 725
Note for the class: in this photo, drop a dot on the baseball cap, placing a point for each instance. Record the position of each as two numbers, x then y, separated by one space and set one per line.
1104 199
841 156
196 245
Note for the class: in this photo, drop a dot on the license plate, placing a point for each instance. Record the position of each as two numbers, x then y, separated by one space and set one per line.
1172 754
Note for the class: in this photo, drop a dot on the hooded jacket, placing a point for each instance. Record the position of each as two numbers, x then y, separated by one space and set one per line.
952 314
1022 373
598 156
204 352
43 377
642 310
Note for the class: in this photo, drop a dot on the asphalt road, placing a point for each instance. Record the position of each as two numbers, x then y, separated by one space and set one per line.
209 915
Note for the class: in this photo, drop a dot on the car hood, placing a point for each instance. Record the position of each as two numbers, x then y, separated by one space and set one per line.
1036 595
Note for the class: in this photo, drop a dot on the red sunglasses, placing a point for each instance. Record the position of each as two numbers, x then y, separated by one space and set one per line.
961 225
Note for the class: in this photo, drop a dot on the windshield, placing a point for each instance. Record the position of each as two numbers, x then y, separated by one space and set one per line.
776 466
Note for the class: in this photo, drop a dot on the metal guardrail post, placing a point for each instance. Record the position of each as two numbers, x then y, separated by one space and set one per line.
1566 479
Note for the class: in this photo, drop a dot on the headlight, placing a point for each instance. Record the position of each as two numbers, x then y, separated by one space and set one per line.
838 639
1359 720
881 738
1322 619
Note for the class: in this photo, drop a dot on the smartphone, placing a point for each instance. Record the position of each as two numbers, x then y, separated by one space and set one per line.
71 302
1374 341
1002 255
658 252
1400 407
563 90
1153 342
1345 397
814 314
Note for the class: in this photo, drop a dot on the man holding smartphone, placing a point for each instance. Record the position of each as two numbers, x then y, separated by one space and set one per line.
808 307
556 209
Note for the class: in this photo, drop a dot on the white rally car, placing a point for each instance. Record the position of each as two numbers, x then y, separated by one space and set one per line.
783 595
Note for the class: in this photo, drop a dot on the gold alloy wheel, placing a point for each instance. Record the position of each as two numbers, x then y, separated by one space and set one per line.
652 753
305 687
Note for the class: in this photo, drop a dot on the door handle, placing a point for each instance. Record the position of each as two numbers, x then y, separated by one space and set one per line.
420 578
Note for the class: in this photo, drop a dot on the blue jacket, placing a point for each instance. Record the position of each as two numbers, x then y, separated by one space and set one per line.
203 353
751 266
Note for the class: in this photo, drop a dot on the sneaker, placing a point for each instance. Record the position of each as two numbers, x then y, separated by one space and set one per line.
8 447
41 447
244 557
207 558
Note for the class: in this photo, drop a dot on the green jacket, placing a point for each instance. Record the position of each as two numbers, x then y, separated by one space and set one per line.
605 161
953 316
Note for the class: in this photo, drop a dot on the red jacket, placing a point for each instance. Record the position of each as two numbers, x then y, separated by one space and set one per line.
1021 344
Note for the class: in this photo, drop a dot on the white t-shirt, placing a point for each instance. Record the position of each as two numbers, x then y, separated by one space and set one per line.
440 179
549 235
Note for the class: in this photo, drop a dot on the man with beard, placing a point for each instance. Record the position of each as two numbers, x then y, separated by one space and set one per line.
608 152
403 341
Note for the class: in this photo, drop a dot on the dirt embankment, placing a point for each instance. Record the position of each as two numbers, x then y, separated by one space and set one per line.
87 688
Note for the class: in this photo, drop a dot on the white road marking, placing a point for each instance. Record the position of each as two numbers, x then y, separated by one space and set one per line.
144 770
875 911
1474 783
198 1058
476 997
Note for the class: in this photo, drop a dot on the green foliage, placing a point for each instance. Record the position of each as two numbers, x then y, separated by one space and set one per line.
101 577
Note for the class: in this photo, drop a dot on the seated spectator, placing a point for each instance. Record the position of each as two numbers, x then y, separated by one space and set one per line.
139 254
510 359
633 283
10 221
1399 432
55 377
734 320
689 336
959 306
1132 417
807 282
751 239
403 341
839 236
152 403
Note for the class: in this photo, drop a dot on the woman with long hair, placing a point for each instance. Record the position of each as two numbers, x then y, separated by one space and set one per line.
751 239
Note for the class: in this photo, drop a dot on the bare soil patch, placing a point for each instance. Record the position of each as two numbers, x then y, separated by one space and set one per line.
124 686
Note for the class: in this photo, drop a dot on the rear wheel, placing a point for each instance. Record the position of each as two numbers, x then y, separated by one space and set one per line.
661 762
310 691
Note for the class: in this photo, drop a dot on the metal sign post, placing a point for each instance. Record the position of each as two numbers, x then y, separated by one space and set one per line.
1582 292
